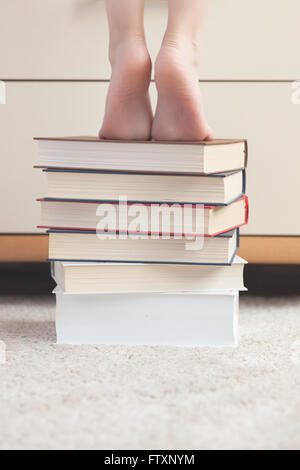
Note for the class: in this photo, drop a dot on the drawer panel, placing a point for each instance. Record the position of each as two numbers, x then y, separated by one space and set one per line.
38 109
67 39
264 114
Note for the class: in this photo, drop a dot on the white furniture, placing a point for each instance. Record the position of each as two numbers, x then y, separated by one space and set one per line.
54 63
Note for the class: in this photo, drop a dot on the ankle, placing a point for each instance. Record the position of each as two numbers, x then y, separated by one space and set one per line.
182 43
123 44
131 67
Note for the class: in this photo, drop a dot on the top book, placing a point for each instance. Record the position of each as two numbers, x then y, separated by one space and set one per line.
91 153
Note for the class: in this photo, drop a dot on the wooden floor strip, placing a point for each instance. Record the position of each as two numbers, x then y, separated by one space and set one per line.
270 250
256 249
23 248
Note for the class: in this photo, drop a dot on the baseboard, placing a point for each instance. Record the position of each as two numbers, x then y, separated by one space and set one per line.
270 249
255 249
23 248
260 279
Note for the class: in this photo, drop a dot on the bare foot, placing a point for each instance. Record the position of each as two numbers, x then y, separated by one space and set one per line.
179 114
128 113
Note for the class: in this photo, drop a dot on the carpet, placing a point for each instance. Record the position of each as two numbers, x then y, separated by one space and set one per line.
66 397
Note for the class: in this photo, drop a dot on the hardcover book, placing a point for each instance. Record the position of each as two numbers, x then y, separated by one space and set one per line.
218 189
89 246
150 219
150 156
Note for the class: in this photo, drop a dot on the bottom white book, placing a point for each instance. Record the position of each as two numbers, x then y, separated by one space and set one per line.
193 319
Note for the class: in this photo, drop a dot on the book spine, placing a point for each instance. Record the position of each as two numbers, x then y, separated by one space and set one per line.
244 182
246 153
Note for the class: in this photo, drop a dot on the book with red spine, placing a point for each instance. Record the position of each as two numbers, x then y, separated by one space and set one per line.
79 215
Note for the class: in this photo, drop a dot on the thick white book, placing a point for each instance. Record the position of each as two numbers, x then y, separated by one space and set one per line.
199 319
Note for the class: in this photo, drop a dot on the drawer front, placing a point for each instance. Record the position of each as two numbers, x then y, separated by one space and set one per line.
39 109
67 39
265 115
233 110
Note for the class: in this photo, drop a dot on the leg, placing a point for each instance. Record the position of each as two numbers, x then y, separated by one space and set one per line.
179 114
128 113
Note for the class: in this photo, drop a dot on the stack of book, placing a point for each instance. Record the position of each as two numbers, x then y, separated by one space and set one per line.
143 239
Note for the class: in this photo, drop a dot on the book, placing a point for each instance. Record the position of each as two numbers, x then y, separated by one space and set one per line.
173 319
222 188
91 246
132 277
150 156
162 219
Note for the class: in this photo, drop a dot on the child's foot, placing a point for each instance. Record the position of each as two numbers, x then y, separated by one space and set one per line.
179 114
128 113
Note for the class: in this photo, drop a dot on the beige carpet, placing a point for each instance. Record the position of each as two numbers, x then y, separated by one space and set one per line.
57 397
